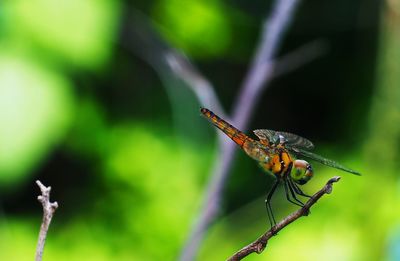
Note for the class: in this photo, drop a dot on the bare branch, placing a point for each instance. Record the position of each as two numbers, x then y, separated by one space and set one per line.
257 79
202 88
261 70
48 211
259 245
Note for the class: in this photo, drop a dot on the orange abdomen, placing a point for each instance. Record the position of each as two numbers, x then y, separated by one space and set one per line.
236 135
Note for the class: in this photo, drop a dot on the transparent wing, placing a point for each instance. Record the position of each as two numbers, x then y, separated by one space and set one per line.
267 135
322 160
290 138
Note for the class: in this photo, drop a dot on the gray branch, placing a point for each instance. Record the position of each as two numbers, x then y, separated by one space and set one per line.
259 245
257 79
48 211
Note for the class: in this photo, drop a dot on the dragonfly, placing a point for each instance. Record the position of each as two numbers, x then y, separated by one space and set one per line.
278 153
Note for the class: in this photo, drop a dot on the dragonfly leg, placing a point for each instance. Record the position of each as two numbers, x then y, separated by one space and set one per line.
271 218
288 189
297 189
293 186
268 203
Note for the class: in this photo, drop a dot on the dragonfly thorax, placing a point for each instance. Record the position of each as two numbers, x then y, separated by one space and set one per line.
301 172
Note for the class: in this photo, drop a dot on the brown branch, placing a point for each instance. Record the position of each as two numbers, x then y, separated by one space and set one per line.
48 211
259 245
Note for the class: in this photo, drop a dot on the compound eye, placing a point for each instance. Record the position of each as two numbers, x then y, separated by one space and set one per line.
301 172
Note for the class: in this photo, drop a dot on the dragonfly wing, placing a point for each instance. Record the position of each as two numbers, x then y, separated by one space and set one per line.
320 159
257 151
289 138
265 135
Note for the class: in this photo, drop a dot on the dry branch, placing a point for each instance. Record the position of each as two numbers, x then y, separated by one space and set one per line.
259 245
48 211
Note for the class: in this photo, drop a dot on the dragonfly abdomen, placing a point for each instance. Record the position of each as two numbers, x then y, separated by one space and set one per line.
236 135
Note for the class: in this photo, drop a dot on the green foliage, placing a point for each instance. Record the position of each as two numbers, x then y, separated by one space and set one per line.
155 178
73 32
88 136
151 194
186 24
23 234
36 107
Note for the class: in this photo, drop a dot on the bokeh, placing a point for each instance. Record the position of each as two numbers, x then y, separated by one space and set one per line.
88 107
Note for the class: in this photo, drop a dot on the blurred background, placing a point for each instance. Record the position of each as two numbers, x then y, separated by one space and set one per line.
88 107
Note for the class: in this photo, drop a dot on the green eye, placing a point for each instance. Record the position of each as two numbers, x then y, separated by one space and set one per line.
301 175
296 174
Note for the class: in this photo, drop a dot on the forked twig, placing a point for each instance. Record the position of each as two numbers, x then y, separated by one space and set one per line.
259 245
48 211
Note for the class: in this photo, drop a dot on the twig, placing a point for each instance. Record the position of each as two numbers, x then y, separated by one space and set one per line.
259 245
48 211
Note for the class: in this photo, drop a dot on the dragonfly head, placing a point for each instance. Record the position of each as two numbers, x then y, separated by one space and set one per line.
301 172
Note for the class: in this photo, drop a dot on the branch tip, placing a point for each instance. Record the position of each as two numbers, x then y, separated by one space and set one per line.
329 184
334 179
48 210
